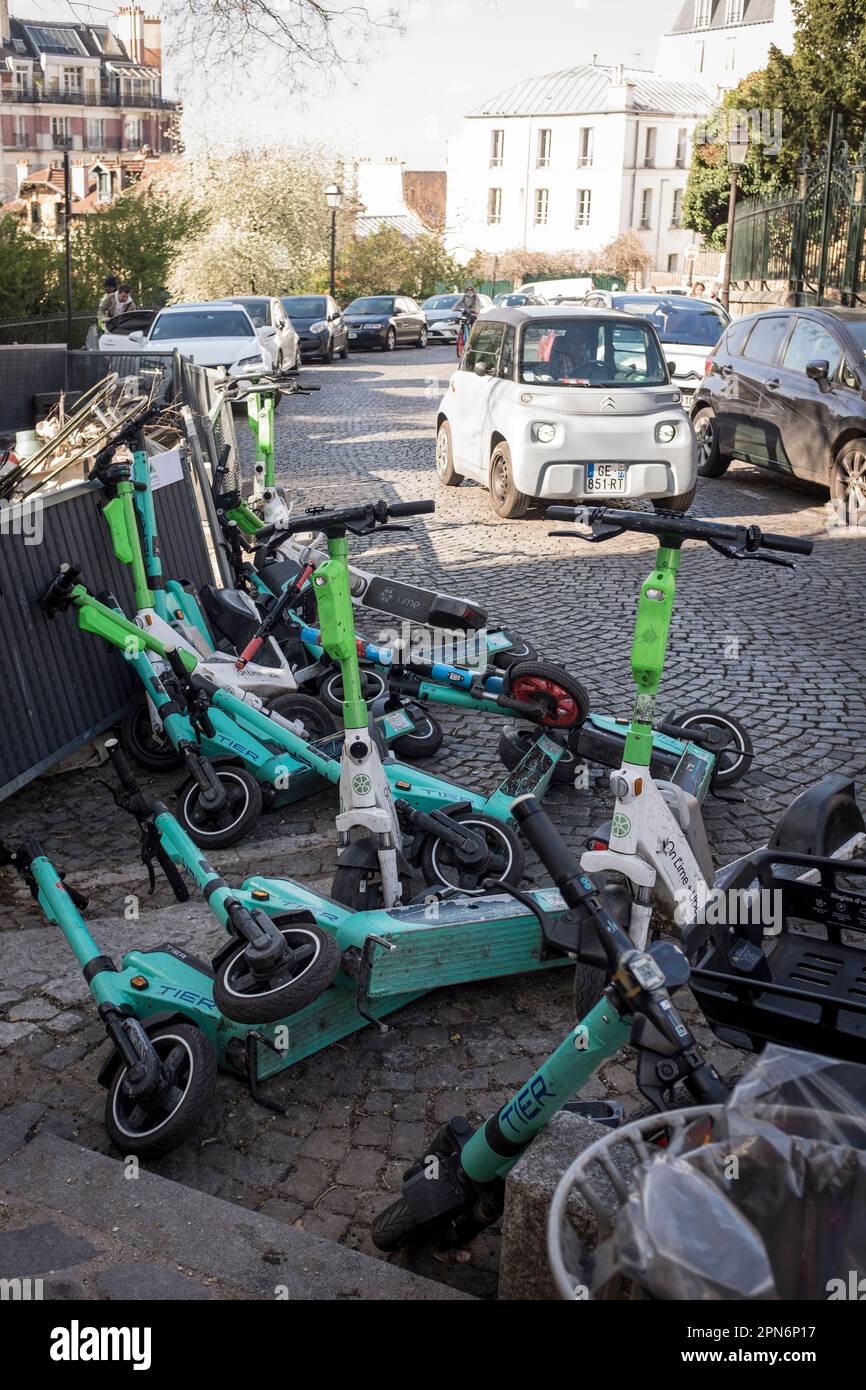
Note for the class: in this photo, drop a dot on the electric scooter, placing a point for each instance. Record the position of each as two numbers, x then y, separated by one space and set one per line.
297 973
256 751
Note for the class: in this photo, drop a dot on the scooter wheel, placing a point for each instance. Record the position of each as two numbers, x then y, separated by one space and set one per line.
373 685
312 961
514 744
395 1228
226 827
735 759
316 718
151 1128
520 651
440 864
361 889
528 680
425 739
149 747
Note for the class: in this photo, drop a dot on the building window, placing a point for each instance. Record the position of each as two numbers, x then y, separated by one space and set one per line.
649 153
673 263
497 148
703 13
20 135
584 158
734 12
72 80
542 206
22 83
544 141
699 57
646 209
95 132
584 207
132 132
677 208
494 206
60 136
682 147
730 55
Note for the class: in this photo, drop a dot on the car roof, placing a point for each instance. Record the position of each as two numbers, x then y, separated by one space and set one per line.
198 306
844 313
525 313
245 299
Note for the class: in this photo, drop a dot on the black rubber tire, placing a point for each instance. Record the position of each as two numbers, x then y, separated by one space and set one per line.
589 986
425 740
514 744
680 503
395 1229
361 889
344 350
507 501
726 773
268 1001
547 673
328 353
846 481
315 715
373 684
423 338
438 867
141 742
520 651
711 462
199 1065
445 470
235 822
390 342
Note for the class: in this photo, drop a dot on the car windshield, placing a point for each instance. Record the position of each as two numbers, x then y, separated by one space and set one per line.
378 304
304 306
441 301
201 323
678 320
259 311
590 352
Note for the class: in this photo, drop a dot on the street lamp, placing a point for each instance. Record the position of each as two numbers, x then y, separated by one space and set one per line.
333 197
738 148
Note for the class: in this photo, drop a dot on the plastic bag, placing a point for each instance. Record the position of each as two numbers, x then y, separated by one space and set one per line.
772 1207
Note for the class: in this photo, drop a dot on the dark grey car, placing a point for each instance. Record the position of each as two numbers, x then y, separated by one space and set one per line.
785 389
318 322
385 321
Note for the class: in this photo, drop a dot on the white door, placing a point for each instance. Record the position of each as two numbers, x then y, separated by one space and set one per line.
473 391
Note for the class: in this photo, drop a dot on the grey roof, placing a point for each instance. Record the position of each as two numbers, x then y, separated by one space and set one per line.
65 39
525 313
584 90
754 12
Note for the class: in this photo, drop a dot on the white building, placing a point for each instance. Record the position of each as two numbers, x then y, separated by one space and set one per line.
567 161
722 41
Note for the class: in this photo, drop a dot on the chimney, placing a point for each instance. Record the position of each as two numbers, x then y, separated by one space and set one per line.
152 41
78 179
4 22
130 30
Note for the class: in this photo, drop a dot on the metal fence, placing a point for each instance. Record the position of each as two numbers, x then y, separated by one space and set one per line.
810 240
62 687
46 330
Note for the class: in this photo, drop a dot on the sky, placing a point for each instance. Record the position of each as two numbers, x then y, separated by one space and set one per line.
410 93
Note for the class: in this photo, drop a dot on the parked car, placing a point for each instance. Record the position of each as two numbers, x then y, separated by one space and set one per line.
443 316
687 329
517 299
210 334
385 320
568 404
275 329
575 287
785 389
320 325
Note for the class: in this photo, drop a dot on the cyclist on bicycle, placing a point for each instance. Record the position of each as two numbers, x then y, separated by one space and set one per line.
470 304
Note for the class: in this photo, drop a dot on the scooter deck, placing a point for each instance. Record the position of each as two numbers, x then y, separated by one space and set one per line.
602 738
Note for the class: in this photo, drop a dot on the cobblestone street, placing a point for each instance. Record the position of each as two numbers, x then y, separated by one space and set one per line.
782 649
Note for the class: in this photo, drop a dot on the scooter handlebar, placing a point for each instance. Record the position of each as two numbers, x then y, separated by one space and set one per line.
122 770
411 508
745 540
370 515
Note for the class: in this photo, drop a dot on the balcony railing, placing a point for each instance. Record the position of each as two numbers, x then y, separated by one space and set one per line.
37 95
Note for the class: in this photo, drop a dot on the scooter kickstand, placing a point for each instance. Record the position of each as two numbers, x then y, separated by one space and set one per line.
364 968
251 1059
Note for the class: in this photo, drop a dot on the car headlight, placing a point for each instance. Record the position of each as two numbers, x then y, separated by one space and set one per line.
545 434
319 327
666 432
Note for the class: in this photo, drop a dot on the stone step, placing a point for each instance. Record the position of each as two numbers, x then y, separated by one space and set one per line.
77 1220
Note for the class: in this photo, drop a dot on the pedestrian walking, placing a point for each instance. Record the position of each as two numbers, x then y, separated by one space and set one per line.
107 307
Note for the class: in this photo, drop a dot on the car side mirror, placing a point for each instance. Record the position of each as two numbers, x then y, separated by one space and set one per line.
672 368
481 368
819 371
267 330
137 336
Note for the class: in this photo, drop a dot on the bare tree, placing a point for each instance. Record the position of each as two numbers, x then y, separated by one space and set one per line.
311 37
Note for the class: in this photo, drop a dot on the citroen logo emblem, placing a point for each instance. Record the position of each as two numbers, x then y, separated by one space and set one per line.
608 403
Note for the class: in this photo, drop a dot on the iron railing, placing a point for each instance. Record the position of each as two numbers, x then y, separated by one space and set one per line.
36 96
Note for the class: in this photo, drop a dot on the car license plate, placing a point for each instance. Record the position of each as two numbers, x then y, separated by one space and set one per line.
605 477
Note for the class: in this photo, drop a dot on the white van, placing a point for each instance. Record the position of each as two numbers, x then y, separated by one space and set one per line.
553 290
